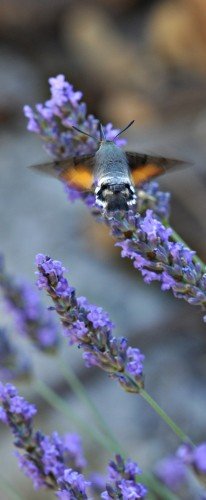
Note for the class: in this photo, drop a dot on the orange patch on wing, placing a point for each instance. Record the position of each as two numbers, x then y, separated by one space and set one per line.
81 178
141 174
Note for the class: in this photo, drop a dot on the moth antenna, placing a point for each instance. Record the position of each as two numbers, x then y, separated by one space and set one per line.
101 132
123 130
82 132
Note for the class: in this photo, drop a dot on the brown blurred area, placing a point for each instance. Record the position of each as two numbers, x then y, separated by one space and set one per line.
133 59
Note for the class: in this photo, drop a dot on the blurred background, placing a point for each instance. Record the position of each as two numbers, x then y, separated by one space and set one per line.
133 59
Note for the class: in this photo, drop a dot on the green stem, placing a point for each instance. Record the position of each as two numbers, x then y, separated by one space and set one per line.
181 435
80 391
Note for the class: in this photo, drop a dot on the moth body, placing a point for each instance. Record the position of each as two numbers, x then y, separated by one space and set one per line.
114 189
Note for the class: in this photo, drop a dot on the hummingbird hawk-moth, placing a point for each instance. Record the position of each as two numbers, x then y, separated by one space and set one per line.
110 173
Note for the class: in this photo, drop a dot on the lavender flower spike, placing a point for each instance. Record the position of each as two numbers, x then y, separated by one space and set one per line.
55 463
122 481
54 119
73 486
158 258
45 459
90 327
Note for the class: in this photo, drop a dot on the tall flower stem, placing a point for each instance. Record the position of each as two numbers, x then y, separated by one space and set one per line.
163 415
181 435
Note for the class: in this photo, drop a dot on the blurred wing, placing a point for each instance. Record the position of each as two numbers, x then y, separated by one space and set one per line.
76 171
144 167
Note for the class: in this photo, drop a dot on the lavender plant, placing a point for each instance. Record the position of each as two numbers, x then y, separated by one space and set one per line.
144 237
145 240
57 463
90 327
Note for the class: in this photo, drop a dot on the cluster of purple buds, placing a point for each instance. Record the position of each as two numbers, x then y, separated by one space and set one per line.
53 122
148 243
55 463
122 481
90 327
73 486
31 319
45 458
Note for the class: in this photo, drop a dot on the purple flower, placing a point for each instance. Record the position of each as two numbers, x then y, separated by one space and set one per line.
76 331
90 327
130 491
90 359
99 318
54 119
51 452
122 481
135 361
33 122
160 259
153 228
16 412
150 197
167 281
131 469
30 470
57 463
62 92
73 486
46 458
